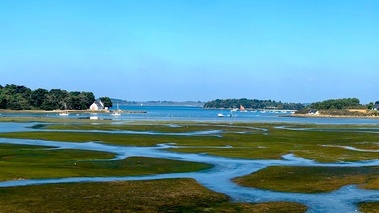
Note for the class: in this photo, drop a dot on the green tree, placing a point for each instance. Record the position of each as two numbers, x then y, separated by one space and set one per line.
107 102
37 97
370 106
86 99
17 97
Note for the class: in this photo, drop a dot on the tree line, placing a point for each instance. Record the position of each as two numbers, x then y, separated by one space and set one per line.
337 106
252 104
343 103
16 97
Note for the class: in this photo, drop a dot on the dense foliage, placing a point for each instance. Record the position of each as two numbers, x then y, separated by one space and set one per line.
16 97
344 103
107 102
252 104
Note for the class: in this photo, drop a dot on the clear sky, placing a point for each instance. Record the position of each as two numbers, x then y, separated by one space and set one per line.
287 50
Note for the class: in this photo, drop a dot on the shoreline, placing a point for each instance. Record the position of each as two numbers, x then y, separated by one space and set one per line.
69 111
330 116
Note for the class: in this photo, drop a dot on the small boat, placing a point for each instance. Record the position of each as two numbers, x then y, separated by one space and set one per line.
116 112
242 109
220 115
64 113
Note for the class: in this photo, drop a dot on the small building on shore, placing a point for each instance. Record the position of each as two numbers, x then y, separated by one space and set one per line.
313 112
97 105
376 107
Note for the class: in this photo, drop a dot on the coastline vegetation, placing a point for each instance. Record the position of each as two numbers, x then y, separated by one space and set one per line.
250 141
251 104
340 107
30 162
311 179
170 195
15 97
343 103
369 207
332 107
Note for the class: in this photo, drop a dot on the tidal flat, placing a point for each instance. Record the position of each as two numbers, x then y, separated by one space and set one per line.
285 154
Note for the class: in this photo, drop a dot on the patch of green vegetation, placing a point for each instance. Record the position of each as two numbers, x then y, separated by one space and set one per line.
311 179
173 127
369 207
138 166
27 162
170 195
247 140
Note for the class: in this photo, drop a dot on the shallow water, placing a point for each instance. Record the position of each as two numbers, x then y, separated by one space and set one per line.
217 178
187 113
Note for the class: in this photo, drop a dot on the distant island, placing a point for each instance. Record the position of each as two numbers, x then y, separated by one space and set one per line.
327 108
16 97
158 103
252 104
340 107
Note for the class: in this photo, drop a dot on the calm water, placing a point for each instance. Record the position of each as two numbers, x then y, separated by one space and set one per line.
187 113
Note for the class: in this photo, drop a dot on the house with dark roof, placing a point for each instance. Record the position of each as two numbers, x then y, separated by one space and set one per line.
313 112
97 105
376 107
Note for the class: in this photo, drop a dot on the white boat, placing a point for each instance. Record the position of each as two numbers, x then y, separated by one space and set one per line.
64 113
116 112
220 115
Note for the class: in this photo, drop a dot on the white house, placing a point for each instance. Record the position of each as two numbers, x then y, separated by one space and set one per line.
97 105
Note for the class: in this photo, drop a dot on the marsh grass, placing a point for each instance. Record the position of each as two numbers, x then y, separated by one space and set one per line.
245 140
311 179
251 141
369 207
171 195
28 162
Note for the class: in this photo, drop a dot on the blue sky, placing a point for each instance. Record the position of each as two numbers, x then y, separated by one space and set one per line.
288 50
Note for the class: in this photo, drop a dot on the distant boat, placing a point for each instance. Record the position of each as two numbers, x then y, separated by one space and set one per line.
234 110
65 113
242 109
117 112
220 115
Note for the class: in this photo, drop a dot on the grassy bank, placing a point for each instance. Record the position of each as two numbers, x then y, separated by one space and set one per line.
369 207
174 195
28 162
311 179
237 140
251 141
